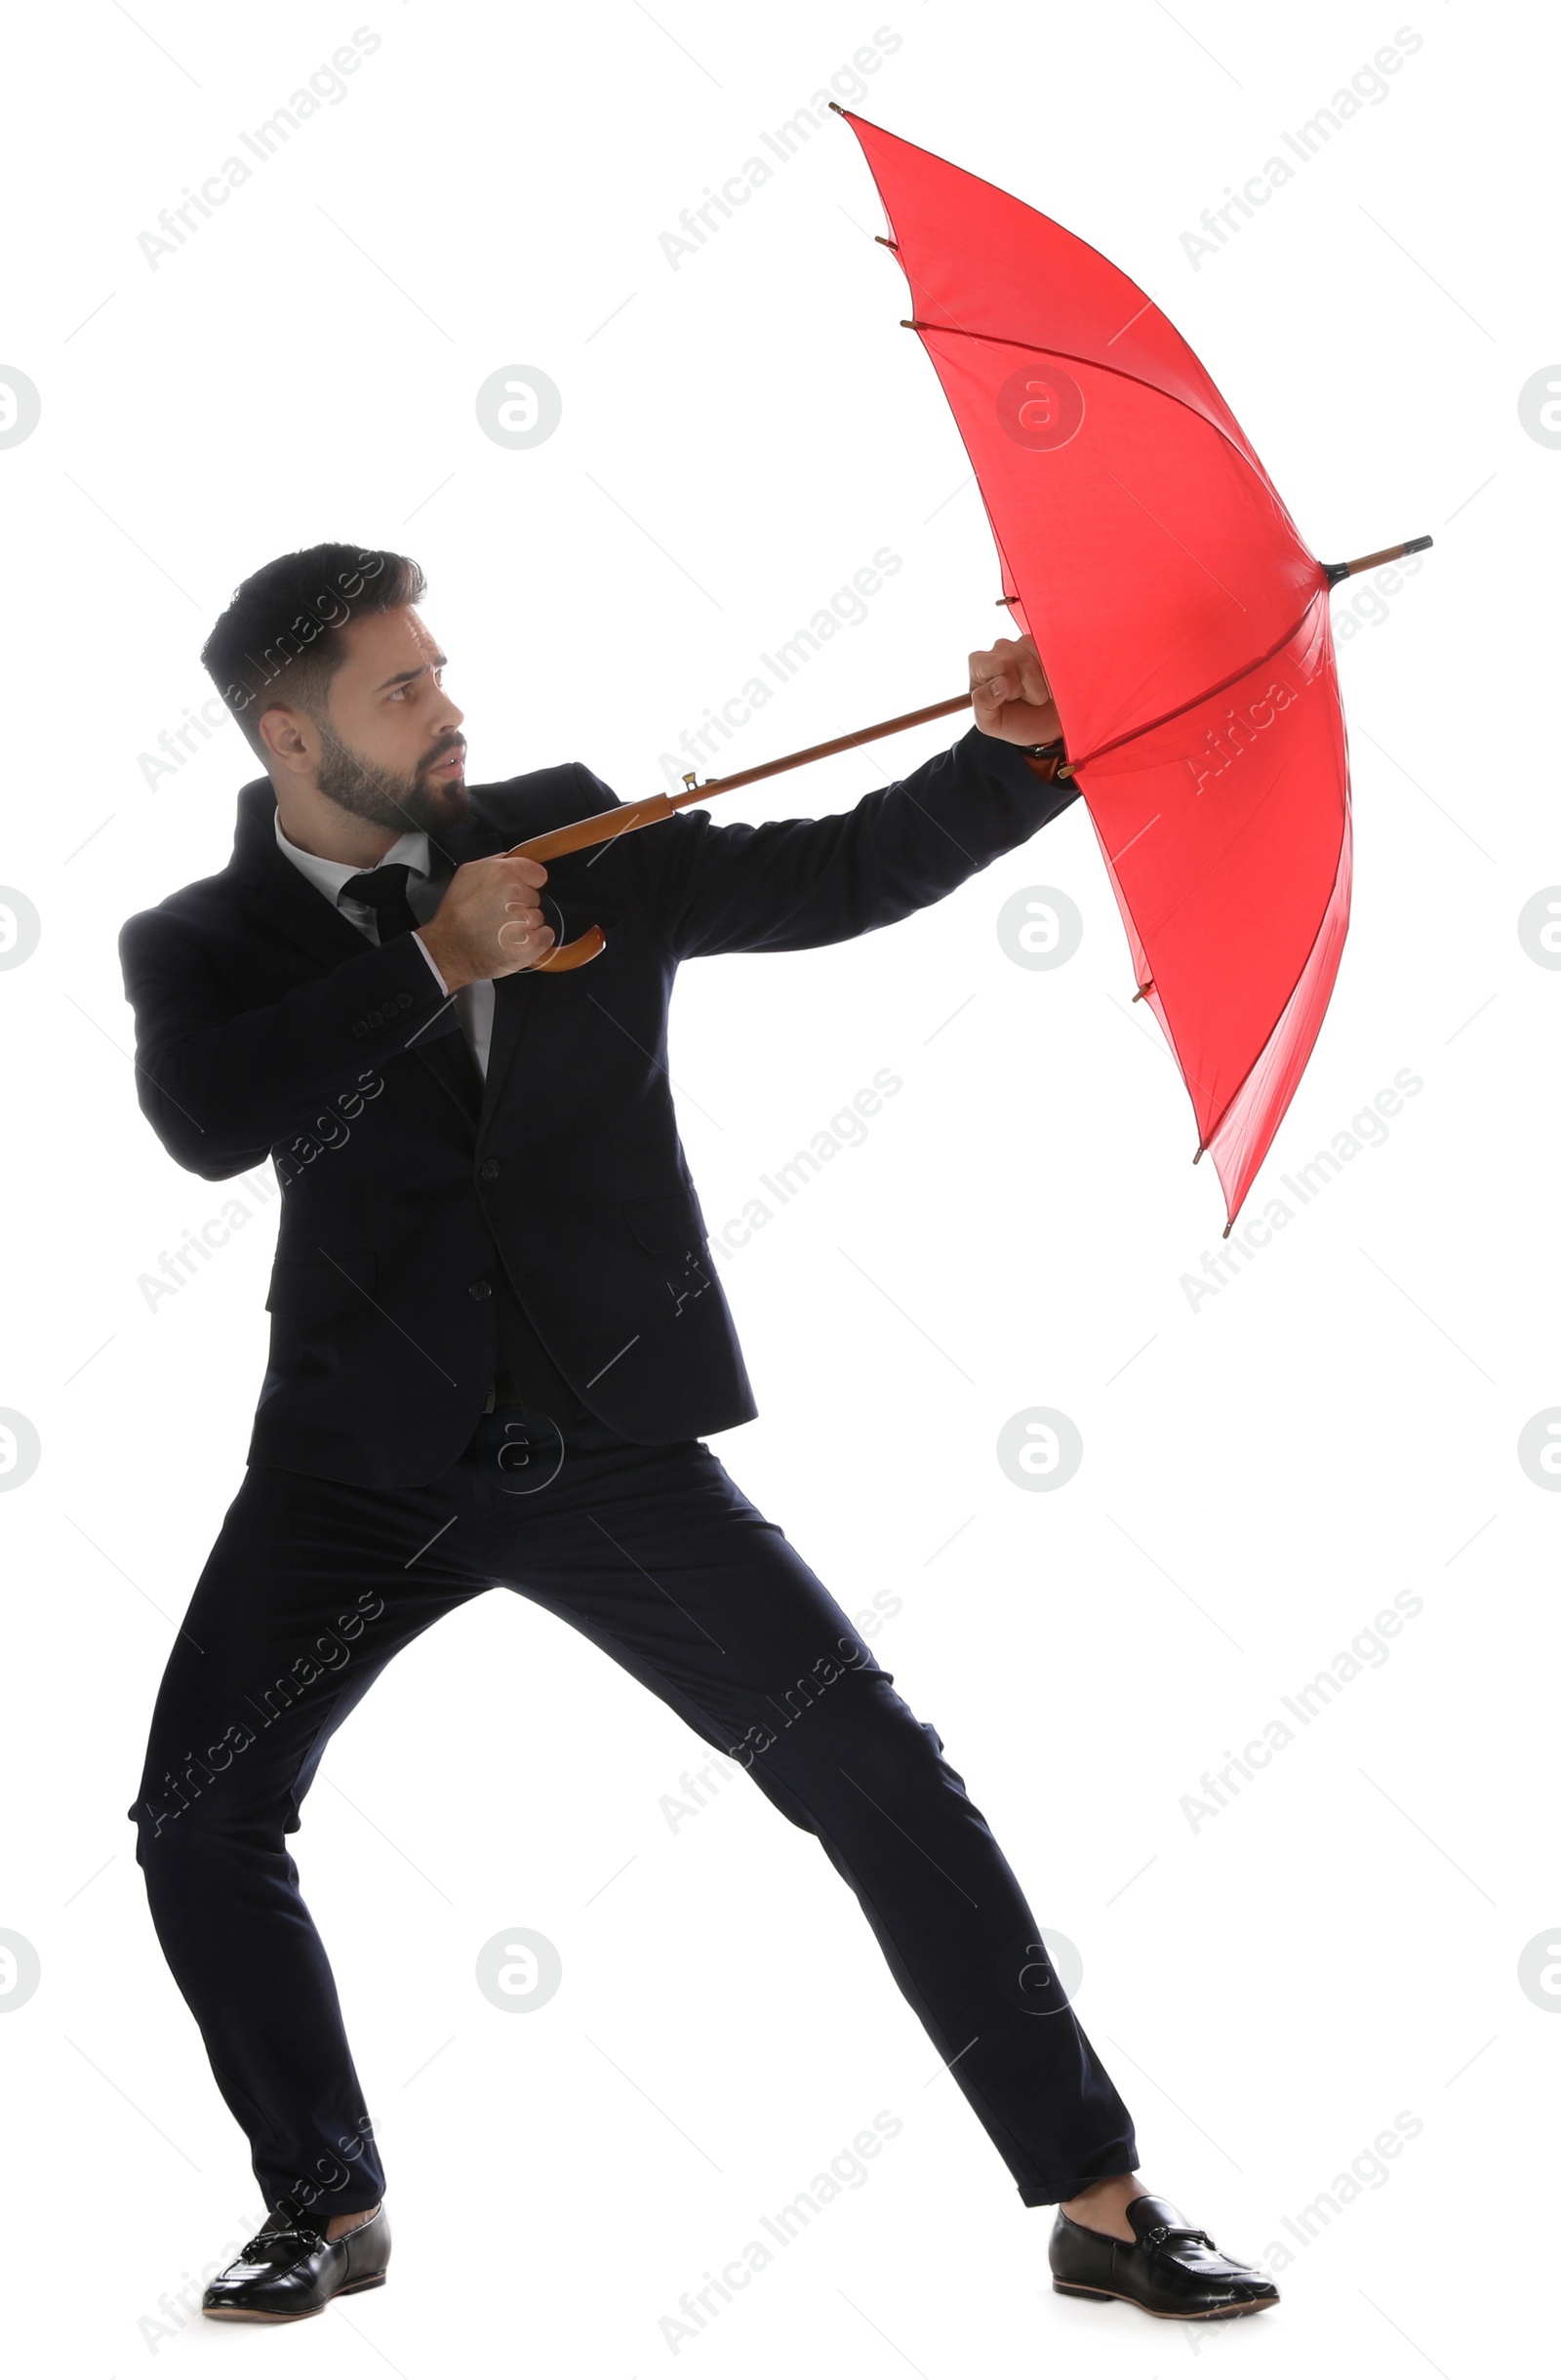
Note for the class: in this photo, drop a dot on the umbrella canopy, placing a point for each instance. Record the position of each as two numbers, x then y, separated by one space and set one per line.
1181 619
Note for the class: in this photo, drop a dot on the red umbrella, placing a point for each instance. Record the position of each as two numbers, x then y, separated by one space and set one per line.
1183 623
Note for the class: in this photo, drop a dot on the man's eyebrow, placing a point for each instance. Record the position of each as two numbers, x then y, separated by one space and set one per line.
404 677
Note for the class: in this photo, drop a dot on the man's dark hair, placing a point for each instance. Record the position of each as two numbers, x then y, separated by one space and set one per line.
280 639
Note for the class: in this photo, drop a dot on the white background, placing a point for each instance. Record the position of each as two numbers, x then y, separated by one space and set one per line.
1262 1470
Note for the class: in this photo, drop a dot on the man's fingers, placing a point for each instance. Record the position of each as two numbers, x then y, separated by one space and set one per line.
523 941
1023 672
987 679
530 871
1010 671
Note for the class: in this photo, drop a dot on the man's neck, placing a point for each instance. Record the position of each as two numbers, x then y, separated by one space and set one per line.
320 828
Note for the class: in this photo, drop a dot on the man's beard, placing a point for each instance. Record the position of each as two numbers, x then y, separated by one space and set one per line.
384 796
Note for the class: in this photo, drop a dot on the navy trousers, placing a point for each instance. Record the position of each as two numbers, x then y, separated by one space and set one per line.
657 1556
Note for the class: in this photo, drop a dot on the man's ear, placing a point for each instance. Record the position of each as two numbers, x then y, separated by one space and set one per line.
284 740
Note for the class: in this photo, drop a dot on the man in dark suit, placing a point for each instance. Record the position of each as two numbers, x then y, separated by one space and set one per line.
496 1339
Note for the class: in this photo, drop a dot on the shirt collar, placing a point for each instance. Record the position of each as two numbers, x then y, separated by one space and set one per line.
329 875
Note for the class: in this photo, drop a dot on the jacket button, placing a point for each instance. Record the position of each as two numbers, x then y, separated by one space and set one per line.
489 1169
481 1289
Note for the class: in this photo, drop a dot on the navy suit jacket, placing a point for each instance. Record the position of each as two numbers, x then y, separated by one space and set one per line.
266 1025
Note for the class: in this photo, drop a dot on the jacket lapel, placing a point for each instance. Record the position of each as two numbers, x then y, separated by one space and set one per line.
290 905
443 1049
510 993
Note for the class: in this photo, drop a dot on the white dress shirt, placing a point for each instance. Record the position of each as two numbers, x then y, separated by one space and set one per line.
475 1002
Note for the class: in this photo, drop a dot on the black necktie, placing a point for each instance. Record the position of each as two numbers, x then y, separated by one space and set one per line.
384 891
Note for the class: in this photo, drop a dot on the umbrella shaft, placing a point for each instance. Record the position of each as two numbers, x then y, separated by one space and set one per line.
839 744
1371 562
836 744
608 824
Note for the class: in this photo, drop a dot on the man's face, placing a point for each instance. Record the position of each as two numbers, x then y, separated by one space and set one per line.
391 748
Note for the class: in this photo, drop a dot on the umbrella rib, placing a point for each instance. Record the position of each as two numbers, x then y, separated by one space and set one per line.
1117 742
992 338
1311 946
1289 996
1284 1006
1028 346
1205 397
1237 831
1209 692
959 330
1207 1141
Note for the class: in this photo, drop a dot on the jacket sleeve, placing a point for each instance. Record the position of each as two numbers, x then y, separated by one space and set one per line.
795 883
221 1085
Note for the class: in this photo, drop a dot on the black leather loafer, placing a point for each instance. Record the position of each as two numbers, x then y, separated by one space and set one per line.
1167 2268
289 2270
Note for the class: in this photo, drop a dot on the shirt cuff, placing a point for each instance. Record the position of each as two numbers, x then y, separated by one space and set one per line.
429 955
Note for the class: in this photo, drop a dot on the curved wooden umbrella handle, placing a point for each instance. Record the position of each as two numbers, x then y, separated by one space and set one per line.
567 954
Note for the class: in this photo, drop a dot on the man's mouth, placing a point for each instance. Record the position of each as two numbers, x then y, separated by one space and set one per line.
453 763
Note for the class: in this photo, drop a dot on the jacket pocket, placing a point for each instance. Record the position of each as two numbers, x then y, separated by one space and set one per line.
670 1221
319 1281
